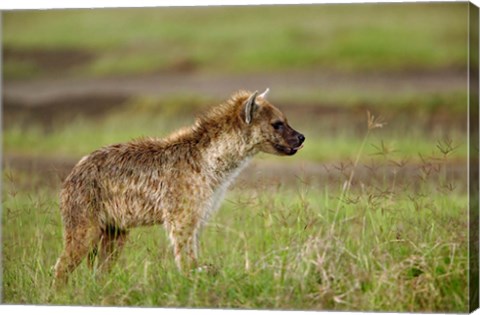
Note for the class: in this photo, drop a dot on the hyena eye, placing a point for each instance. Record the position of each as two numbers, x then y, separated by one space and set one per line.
277 125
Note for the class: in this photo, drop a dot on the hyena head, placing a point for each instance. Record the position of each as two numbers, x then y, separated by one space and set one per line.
267 127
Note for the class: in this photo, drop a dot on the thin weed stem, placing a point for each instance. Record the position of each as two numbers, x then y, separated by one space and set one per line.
372 123
347 184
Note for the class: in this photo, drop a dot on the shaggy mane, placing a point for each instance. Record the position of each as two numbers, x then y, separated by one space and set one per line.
224 109
212 116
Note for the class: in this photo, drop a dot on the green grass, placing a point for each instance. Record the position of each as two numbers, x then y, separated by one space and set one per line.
83 137
246 39
276 248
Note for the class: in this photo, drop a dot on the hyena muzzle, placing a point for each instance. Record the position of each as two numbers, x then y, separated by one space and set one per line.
177 181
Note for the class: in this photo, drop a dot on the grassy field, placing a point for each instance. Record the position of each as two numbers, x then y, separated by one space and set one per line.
381 245
385 248
392 239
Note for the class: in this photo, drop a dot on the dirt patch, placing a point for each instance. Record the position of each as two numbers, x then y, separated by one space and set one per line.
49 60
355 117
59 111
219 86
42 172
182 65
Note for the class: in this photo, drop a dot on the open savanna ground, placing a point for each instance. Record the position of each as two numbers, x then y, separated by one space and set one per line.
371 215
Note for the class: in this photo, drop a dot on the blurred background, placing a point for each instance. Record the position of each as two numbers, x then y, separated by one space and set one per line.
75 80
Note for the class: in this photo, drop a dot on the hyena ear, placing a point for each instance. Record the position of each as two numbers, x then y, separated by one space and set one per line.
250 107
264 94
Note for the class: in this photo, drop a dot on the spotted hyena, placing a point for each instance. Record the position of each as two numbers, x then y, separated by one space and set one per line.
177 181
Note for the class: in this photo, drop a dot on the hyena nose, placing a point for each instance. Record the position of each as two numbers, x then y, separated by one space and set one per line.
301 138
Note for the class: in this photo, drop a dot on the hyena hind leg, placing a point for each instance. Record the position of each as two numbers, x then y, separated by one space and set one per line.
112 242
78 242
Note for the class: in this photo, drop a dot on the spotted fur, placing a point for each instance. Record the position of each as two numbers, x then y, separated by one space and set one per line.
178 181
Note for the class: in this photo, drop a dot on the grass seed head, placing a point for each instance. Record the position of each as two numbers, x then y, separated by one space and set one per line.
374 122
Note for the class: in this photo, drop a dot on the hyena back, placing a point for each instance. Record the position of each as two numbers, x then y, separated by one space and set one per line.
177 181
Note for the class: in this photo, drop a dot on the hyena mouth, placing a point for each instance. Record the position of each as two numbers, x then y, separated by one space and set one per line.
287 150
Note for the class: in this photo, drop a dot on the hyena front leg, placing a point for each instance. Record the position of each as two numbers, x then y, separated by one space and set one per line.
183 236
184 251
193 246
